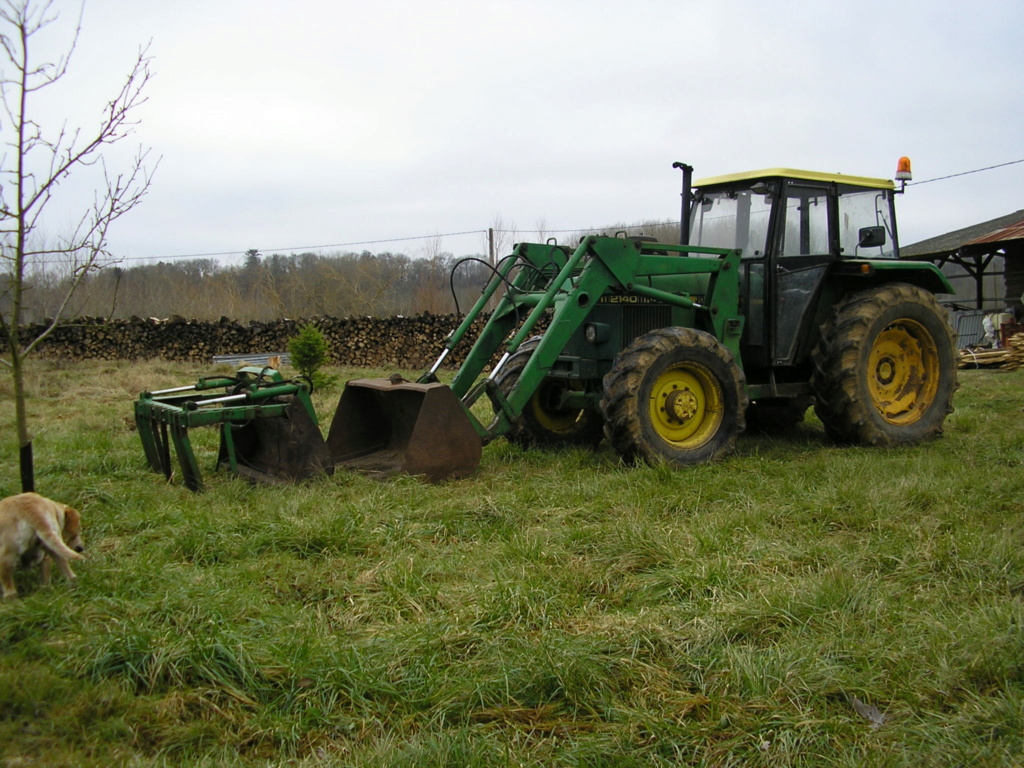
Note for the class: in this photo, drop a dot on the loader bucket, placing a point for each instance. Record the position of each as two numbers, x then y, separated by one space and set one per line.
272 450
384 428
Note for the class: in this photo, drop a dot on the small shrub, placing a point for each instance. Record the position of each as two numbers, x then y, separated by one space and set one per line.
309 350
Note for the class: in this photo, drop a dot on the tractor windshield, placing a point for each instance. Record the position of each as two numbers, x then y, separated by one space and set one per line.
731 219
860 209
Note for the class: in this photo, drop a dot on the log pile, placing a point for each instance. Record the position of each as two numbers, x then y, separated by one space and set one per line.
408 343
411 343
1010 357
1015 345
983 358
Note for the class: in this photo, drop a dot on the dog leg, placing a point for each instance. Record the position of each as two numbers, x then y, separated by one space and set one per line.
65 568
7 584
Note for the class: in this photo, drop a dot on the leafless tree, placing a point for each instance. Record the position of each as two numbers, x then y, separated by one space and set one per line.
34 163
431 277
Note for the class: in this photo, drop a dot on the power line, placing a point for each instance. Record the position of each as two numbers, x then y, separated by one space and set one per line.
305 247
620 228
964 173
476 231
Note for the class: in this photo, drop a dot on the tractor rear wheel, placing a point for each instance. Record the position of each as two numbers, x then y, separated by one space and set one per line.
674 395
885 367
544 422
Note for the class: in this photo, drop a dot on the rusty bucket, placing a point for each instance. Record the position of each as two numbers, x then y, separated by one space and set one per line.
383 427
272 450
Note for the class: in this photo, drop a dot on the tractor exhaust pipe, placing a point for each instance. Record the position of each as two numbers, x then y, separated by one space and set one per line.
687 195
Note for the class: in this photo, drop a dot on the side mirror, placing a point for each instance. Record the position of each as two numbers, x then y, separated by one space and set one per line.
871 237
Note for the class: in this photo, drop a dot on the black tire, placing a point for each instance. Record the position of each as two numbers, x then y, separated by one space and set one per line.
777 414
674 395
885 367
543 422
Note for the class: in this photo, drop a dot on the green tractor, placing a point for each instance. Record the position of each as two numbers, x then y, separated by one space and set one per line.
786 289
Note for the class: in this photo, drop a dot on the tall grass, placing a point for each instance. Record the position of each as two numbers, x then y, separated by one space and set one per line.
557 608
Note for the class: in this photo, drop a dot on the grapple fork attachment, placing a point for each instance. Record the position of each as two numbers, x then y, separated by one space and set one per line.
268 427
384 428
154 441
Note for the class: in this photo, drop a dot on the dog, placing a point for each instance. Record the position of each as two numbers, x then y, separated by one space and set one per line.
34 529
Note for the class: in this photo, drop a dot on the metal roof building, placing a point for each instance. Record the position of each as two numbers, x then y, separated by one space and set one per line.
985 262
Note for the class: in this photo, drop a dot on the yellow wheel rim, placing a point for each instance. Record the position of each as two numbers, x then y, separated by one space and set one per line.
544 405
686 405
903 372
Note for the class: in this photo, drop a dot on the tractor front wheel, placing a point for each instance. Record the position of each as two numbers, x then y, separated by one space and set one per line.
544 421
885 367
674 395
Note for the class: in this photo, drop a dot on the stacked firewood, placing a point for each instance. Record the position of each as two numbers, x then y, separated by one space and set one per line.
1015 346
1010 357
983 357
410 343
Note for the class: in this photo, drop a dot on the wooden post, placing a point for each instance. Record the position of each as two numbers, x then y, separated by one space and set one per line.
28 475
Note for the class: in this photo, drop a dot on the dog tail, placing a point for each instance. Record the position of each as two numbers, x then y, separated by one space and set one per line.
55 544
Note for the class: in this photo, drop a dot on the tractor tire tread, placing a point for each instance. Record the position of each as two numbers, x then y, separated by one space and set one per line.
838 365
621 405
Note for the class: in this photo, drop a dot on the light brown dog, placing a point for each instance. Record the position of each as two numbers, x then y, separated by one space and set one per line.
34 529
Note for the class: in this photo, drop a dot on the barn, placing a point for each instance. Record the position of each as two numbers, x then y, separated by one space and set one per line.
985 264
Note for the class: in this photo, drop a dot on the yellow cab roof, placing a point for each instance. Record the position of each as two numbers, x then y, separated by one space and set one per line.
790 173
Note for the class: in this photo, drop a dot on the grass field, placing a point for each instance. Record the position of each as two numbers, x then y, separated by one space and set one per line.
557 608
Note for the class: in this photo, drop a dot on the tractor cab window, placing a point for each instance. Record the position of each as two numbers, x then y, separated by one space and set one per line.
865 225
806 227
734 219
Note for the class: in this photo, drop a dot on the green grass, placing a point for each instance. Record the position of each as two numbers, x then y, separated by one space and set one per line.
557 608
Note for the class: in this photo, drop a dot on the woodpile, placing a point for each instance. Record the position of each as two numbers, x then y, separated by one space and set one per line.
407 343
1015 345
983 358
1010 357
410 343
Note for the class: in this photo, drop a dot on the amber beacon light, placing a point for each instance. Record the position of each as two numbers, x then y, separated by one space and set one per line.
903 174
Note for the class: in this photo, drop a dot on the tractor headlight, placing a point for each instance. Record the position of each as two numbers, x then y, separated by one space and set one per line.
596 333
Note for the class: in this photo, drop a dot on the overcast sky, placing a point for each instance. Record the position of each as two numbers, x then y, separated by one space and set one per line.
291 125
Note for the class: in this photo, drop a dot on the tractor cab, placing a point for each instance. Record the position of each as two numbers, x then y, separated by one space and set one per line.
796 230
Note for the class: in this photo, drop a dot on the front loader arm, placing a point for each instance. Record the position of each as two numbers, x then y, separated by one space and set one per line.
598 266
573 294
536 268
429 429
580 281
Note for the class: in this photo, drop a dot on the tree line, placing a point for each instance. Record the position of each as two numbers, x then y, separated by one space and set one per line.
274 286
266 287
